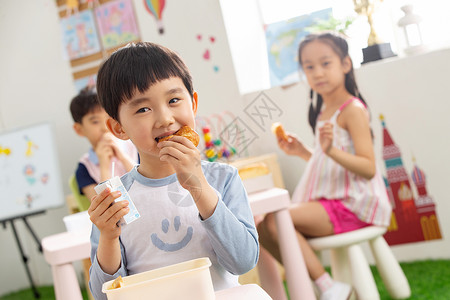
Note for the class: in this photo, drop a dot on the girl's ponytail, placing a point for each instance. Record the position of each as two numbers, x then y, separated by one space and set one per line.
314 111
352 88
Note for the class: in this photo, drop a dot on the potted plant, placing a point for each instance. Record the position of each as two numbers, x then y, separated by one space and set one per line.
331 24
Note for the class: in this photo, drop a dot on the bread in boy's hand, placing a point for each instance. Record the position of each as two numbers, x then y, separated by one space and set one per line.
185 131
117 283
278 130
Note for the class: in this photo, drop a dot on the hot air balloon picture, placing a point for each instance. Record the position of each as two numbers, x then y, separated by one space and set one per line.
155 8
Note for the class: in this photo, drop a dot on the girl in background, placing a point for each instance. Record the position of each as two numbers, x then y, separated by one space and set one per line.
341 189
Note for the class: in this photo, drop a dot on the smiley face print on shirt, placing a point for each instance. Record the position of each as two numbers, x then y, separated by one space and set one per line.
171 247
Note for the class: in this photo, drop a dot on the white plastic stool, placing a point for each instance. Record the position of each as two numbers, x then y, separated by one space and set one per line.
349 265
60 251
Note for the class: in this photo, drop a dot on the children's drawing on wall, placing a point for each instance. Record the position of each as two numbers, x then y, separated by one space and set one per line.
414 218
71 7
207 43
80 35
88 81
282 40
116 23
155 8
92 3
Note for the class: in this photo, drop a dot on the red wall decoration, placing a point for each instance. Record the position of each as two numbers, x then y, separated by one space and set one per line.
413 219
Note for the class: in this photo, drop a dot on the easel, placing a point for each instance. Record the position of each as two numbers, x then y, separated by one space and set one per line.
24 257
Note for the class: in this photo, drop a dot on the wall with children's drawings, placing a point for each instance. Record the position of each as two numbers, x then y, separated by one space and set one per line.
36 85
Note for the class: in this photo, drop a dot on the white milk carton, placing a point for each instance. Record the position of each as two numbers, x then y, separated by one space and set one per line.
115 184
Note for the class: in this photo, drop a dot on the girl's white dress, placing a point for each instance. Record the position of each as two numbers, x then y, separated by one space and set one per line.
325 178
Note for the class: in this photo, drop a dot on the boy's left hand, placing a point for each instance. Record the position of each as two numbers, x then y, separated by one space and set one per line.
326 137
185 158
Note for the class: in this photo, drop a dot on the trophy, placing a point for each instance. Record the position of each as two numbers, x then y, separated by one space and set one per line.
376 49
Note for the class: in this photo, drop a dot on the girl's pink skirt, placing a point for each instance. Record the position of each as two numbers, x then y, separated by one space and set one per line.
341 217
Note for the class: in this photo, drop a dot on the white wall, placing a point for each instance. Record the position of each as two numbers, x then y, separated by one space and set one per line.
36 85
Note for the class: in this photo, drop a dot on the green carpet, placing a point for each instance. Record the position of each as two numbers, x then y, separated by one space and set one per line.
429 280
45 292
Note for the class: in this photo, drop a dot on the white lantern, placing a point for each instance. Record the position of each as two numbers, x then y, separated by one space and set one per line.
410 23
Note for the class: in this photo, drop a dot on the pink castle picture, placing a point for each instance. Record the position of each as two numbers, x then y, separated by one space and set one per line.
413 218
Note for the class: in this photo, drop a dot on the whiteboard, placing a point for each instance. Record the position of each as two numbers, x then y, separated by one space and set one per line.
30 180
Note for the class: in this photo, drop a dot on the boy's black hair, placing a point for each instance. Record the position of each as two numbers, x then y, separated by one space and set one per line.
86 101
340 46
134 68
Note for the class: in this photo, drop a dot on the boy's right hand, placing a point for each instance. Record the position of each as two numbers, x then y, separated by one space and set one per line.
105 213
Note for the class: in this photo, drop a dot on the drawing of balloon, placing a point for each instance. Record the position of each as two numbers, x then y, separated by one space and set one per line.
155 8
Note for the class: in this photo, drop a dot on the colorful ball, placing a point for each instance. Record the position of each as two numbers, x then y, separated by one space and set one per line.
210 153
226 153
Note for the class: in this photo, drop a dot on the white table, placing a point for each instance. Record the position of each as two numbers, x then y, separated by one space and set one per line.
61 250
277 201
243 292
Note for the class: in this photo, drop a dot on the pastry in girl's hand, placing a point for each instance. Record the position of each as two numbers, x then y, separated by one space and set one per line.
185 131
278 130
